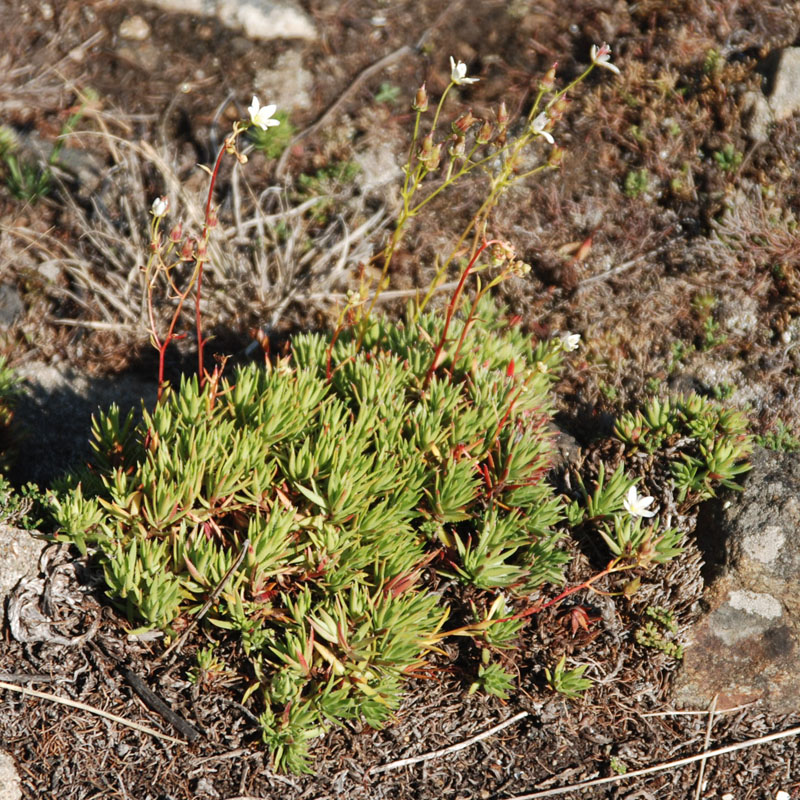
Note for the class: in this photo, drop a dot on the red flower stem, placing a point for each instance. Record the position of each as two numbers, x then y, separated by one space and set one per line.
206 231
611 568
451 307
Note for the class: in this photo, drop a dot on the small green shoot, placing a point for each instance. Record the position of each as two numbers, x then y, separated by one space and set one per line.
569 682
658 633
637 182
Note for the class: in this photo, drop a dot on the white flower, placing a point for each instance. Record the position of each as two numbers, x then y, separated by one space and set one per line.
601 57
458 73
783 795
570 341
638 506
538 127
159 207
262 117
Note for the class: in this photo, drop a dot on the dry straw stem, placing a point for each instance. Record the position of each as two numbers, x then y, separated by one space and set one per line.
706 744
83 707
454 748
681 762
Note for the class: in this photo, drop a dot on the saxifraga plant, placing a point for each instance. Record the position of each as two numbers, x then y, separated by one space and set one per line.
347 496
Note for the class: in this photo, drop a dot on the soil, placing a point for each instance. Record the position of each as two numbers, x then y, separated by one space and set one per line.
668 240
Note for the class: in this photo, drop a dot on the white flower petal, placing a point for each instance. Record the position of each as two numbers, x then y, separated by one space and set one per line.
638 506
458 73
159 207
262 117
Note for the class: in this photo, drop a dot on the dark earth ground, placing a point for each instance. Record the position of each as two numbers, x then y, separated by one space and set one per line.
691 282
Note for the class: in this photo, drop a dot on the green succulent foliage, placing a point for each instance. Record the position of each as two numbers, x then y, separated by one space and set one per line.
659 631
346 479
632 539
569 682
494 680
709 444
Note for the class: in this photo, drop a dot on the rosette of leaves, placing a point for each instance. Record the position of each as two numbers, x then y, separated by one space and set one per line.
347 479
707 444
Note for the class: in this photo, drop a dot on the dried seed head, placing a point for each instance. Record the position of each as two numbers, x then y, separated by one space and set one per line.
426 148
556 111
436 157
464 123
549 80
485 133
556 156
187 251
457 149
420 100
502 115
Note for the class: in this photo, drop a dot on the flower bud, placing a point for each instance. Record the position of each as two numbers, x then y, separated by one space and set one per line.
213 220
500 139
202 250
549 80
485 133
420 100
176 233
242 158
464 123
502 115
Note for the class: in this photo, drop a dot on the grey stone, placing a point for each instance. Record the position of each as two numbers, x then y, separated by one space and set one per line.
378 170
134 28
757 116
258 19
19 556
11 305
746 645
784 98
9 778
287 85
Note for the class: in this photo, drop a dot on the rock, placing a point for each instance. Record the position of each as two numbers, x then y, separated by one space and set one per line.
757 116
746 645
287 85
134 28
9 778
258 19
19 556
11 305
379 167
784 97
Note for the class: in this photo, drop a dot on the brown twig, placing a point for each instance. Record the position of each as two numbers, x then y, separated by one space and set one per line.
404 762
179 642
155 703
64 701
681 762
